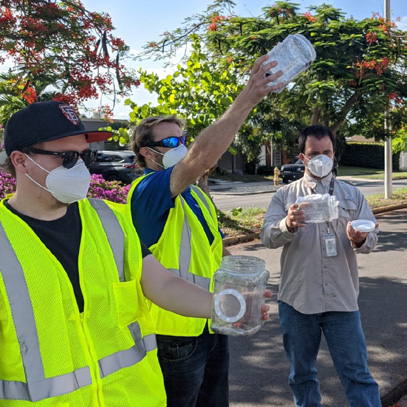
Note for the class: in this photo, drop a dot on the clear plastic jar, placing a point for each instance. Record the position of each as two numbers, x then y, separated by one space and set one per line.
294 55
239 286
319 208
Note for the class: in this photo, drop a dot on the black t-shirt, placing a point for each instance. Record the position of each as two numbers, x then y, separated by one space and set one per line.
62 237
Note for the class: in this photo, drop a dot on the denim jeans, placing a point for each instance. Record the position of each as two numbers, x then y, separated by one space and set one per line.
346 342
195 370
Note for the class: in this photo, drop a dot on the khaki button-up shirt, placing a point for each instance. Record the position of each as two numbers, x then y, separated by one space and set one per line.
311 282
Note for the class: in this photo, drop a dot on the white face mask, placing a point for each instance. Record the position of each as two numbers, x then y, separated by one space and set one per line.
66 184
320 166
172 156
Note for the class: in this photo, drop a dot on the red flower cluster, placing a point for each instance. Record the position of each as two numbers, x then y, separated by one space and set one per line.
379 66
213 26
310 17
371 38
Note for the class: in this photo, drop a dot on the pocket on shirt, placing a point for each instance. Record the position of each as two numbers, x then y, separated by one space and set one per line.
127 306
347 209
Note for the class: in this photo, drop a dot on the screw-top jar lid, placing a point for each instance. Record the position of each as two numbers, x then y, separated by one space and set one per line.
243 264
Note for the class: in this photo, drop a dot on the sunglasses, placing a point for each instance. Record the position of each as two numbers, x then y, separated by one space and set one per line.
169 142
69 158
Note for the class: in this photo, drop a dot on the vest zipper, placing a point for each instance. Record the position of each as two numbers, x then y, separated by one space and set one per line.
92 362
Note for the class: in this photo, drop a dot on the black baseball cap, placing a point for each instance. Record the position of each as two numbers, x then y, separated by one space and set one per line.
46 121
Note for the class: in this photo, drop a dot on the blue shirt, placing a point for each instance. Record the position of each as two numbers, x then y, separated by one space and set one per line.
151 203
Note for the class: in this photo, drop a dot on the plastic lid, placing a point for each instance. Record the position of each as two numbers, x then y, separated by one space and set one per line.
218 306
363 225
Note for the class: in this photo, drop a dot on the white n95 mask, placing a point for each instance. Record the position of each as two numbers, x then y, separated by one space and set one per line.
320 165
172 156
68 185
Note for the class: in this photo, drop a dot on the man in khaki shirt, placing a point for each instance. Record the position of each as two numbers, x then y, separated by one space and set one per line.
319 283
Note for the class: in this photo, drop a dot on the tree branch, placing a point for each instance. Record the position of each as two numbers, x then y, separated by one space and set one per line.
345 110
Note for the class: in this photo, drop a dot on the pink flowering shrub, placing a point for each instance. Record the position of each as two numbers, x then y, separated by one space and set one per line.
7 184
113 191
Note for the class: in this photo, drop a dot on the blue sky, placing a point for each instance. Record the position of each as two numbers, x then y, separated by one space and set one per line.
138 22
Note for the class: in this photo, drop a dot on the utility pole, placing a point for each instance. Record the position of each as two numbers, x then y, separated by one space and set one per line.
388 165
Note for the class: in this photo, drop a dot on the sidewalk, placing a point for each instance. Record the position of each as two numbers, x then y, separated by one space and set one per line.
258 368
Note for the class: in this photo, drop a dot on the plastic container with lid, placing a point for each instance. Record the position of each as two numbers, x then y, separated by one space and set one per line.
294 55
319 208
239 286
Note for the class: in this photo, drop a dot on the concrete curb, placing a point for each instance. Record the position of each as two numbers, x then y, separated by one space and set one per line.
230 241
389 208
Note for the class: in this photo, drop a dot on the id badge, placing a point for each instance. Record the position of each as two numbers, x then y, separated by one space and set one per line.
329 244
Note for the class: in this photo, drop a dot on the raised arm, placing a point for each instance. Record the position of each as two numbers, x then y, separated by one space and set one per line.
215 139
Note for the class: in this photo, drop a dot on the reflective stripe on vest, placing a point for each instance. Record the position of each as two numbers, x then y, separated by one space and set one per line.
114 232
38 387
185 249
125 358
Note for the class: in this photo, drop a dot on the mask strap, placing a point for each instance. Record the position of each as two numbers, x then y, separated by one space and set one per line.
37 183
155 162
36 163
32 179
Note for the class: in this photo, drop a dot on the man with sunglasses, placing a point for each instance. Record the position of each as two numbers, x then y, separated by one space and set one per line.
75 329
178 222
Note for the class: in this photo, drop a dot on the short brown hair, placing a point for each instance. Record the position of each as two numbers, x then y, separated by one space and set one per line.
143 133
318 131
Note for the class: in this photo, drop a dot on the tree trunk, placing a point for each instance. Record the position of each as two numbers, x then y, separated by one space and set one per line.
345 110
315 116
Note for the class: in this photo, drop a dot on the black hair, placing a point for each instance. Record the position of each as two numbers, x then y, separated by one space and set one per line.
318 131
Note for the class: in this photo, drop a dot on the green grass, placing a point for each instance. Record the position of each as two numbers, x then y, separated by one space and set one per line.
399 196
370 173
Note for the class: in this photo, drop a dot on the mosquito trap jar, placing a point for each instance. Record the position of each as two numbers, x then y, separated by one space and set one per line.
239 286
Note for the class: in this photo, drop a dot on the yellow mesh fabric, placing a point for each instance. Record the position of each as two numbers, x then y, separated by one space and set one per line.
205 259
11 367
68 340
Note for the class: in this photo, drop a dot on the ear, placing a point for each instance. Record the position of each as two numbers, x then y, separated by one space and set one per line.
19 161
146 152
301 156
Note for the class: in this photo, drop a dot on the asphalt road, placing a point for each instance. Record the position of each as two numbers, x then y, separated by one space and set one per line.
248 197
258 368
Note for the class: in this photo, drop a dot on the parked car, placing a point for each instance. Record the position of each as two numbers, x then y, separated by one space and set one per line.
295 170
116 166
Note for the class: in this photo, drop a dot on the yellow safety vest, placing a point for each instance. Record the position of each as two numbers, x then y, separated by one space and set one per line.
184 249
53 355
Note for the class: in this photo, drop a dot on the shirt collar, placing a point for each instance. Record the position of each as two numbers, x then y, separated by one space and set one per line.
312 182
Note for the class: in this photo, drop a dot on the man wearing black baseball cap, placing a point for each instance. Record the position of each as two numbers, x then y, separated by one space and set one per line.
75 327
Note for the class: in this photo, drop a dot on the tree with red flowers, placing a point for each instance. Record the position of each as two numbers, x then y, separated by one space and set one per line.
359 70
60 51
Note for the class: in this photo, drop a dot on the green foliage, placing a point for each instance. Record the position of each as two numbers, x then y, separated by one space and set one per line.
399 142
198 92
